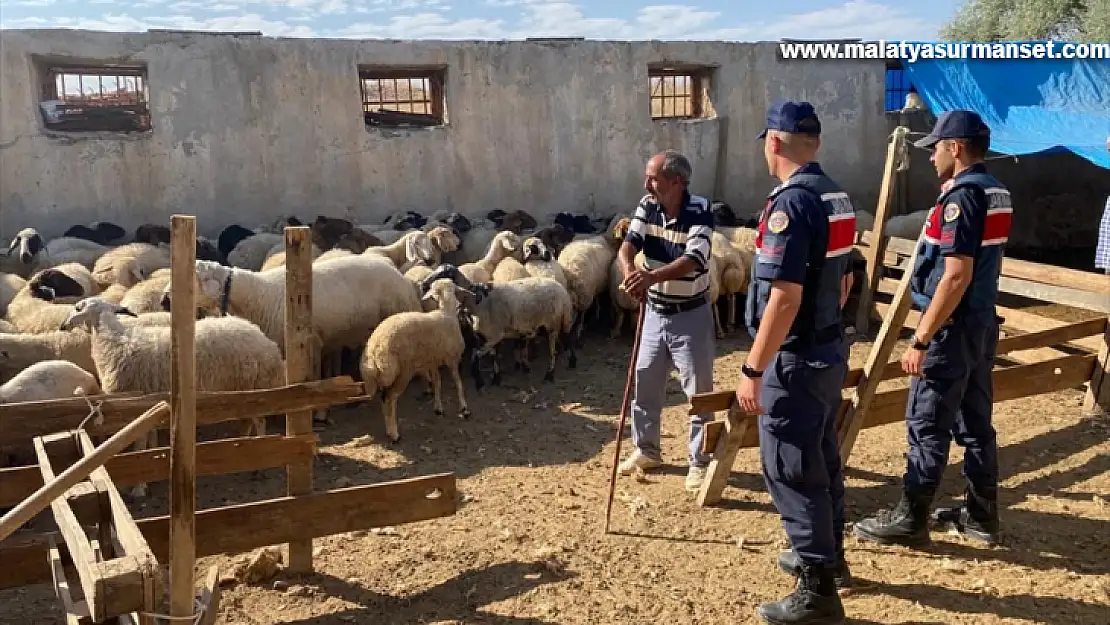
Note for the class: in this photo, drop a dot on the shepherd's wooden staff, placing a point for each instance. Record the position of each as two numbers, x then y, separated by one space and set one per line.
625 406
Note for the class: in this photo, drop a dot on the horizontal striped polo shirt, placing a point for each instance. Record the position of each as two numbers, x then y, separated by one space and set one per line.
663 241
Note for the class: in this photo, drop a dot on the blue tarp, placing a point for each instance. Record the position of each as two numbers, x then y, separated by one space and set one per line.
1031 105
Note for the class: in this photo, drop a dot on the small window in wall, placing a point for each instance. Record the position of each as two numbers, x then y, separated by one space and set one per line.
678 92
399 98
898 87
95 98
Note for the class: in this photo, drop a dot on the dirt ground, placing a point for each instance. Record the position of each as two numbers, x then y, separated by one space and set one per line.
526 545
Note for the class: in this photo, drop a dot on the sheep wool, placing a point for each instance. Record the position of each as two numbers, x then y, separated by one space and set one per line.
48 379
130 264
411 344
10 284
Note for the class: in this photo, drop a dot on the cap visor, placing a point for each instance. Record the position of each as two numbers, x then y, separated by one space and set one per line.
927 141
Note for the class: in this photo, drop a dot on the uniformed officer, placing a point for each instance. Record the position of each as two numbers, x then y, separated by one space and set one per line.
796 366
955 284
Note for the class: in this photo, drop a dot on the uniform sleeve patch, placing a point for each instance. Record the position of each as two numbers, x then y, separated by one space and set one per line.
951 212
777 222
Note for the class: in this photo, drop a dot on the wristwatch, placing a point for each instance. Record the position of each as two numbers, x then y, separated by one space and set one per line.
749 372
918 345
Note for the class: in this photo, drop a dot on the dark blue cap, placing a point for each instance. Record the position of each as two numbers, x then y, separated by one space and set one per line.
958 124
791 116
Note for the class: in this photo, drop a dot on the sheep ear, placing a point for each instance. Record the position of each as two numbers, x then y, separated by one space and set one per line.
15 244
137 273
411 251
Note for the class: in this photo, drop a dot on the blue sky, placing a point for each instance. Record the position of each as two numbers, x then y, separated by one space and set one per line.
733 20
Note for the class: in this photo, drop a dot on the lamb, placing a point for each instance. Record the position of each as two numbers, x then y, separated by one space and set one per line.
130 264
232 354
519 309
48 379
344 316
416 343
504 244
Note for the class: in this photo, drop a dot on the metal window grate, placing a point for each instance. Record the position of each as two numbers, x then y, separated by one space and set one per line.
674 95
99 87
402 94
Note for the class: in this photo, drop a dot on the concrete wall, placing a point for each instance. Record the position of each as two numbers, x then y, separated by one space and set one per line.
248 128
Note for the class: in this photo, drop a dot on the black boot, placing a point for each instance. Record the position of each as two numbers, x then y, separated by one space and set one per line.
842 575
813 602
977 518
907 524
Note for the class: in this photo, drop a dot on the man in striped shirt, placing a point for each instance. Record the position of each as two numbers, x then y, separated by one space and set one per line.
671 228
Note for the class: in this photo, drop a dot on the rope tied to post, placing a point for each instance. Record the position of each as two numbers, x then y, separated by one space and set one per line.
201 610
95 413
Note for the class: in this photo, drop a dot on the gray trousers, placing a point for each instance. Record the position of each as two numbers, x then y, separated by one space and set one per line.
685 340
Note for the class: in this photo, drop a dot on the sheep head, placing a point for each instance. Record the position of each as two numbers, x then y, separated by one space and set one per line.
447 296
29 242
90 312
504 243
535 248
444 238
211 280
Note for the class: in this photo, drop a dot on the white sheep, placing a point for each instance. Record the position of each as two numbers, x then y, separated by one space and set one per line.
251 252
411 344
520 309
32 314
414 246
733 274
130 264
275 257
539 261
6 326
10 284
335 252
48 379
29 252
503 245
232 354
586 264
474 245
509 269
351 296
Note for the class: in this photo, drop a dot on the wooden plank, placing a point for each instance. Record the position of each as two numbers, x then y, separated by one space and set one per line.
1088 281
1097 400
210 597
1012 383
108 587
299 360
123 536
241 528
716 401
1067 296
76 613
19 423
183 419
875 252
55 486
724 454
233 455
877 360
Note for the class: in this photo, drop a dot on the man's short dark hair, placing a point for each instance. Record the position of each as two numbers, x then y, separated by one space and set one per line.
675 164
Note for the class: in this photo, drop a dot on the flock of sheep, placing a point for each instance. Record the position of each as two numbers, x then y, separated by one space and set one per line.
86 314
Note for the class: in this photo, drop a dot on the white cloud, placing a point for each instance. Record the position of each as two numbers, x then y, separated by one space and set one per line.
427 19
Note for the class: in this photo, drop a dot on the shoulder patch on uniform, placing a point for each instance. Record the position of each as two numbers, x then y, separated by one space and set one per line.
778 221
951 212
